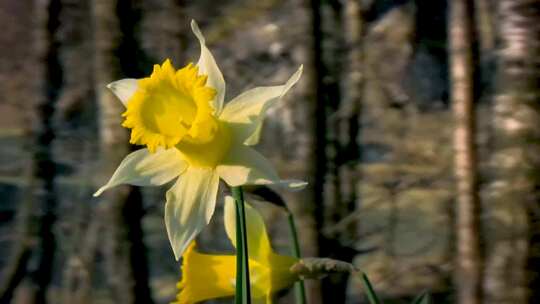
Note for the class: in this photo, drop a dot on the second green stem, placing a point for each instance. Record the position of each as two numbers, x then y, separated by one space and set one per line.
299 288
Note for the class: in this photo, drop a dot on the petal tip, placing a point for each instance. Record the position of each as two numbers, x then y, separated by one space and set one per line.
99 192
176 256
179 250
298 185
167 61
298 73
123 89
293 185
197 31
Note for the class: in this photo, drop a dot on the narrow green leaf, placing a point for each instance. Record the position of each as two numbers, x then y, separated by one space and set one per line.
371 295
423 298
299 288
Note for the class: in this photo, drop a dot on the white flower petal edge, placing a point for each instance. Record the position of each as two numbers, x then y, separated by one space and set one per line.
142 168
245 166
291 184
189 207
258 243
208 66
123 89
245 113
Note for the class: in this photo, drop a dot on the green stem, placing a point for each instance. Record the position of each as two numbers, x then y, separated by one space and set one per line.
243 292
299 288
370 292
239 258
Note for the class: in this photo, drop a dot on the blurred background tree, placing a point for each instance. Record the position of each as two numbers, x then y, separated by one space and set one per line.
416 123
464 85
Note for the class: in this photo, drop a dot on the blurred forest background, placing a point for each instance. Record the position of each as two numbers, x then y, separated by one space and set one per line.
416 122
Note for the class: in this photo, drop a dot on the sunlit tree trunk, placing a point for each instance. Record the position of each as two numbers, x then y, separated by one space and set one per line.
517 122
463 61
126 265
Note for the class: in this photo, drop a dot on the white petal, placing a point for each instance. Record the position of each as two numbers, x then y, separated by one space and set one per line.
123 89
258 242
190 205
208 66
245 166
142 168
246 112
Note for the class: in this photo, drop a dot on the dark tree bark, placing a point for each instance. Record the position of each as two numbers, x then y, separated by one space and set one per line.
126 264
308 135
342 95
45 168
517 117
349 110
463 61
20 253
317 158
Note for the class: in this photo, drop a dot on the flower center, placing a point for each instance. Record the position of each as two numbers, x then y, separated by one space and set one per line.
209 153
171 106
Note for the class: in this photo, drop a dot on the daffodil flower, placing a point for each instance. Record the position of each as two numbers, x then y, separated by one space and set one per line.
209 276
191 137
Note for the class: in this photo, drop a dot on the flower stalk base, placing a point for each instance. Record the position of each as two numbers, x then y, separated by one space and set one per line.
243 290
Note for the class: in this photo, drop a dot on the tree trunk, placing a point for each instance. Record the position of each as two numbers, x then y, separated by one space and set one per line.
486 26
37 213
127 269
308 134
517 117
342 174
48 13
463 60
164 30
73 112
317 159
349 110
20 253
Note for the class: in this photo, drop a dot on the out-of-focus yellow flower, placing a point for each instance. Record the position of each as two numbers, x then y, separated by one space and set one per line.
208 276
179 116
